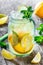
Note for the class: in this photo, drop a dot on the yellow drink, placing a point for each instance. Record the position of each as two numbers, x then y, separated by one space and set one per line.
19 47
20 36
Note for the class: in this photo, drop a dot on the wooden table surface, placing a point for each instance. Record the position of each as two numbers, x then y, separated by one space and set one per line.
5 7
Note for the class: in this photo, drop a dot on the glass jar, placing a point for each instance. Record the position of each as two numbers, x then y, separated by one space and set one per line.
20 35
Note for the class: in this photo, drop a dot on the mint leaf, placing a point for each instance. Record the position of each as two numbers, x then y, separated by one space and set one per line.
38 39
3 44
27 13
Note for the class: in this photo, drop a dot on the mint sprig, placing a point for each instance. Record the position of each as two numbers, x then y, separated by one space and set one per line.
39 39
27 13
40 28
3 44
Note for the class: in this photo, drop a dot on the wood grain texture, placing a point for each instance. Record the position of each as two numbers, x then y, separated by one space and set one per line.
6 6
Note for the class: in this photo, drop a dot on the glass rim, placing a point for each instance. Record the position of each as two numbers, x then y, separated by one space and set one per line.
12 17
23 20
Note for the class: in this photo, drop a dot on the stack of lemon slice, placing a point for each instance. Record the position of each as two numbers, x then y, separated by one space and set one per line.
25 45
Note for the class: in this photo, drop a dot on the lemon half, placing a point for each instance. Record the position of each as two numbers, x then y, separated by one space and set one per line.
7 55
27 42
39 9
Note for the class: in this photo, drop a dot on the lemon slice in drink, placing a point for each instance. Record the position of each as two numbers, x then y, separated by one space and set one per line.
37 58
19 48
7 55
15 38
27 42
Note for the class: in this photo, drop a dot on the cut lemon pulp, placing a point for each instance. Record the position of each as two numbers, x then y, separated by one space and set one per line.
39 10
20 34
7 55
37 58
13 38
10 39
27 42
3 19
18 48
24 45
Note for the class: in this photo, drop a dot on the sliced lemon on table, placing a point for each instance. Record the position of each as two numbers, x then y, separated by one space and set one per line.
3 19
37 58
27 42
7 55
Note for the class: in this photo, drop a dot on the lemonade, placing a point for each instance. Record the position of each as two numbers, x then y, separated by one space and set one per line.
21 35
20 47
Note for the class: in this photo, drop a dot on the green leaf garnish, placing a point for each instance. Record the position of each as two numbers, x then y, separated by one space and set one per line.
39 39
3 44
40 28
27 13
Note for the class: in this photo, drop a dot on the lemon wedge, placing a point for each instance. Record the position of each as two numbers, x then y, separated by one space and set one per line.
3 19
37 58
7 55
39 9
27 42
